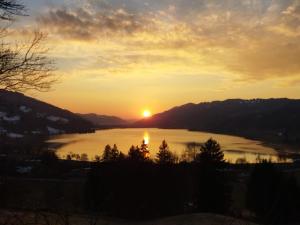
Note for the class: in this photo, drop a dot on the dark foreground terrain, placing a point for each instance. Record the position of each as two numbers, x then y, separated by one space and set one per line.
145 191
42 218
135 187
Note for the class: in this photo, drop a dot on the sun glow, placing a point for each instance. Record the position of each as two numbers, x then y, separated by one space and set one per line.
146 114
146 138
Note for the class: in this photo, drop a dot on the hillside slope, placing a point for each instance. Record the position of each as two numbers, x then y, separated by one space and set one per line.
103 120
273 119
21 115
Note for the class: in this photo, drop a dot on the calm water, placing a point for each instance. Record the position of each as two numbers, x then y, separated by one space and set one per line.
93 144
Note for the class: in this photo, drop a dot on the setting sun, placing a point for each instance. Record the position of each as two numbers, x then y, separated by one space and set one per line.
146 114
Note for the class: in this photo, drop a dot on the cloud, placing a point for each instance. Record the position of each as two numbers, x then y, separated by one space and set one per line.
85 25
243 40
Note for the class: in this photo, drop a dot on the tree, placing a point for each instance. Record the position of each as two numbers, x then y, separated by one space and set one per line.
144 150
190 152
11 8
97 158
84 157
272 195
23 66
111 154
122 156
134 153
48 157
115 152
214 191
106 153
210 153
139 153
165 156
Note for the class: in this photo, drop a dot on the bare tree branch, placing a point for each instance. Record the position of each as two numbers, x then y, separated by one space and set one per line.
11 8
23 67
26 67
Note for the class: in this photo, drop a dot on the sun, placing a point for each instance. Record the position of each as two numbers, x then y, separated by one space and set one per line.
146 114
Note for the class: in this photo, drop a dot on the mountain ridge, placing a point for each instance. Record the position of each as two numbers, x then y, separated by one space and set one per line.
265 119
21 115
103 120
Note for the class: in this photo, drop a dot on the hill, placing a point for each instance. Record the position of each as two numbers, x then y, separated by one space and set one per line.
21 115
103 120
264 119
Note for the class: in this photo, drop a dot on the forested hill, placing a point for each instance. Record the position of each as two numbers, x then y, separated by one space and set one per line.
104 120
267 119
21 115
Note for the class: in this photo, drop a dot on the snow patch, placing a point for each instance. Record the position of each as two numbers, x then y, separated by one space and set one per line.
57 119
12 119
23 169
53 131
25 109
2 114
2 130
36 132
14 135
40 115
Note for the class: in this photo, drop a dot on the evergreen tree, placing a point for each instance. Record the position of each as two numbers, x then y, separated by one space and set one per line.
106 156
122 156
165 156
210 153
110 153
135 153
139 153
115 152
144 150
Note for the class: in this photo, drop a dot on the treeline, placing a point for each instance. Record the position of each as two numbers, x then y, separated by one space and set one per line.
136 187
142 153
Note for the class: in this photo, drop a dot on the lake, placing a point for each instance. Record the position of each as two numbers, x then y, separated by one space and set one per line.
235 148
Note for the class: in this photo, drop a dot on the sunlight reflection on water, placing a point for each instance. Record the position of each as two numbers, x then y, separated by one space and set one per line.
235 148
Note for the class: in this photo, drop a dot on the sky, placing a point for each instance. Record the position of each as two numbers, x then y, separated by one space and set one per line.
119 57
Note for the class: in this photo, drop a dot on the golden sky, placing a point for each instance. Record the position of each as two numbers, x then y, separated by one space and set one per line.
118 57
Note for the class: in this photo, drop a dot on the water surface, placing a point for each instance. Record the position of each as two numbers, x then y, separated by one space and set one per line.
93 143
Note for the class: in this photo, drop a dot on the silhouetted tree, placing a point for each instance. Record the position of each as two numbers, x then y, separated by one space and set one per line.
110 153
214 192
84 157
210 153
136 189
122 156
272 196
190 153
77 156
134 153
68 157
115 152
144 150
165 156
139 153
106 156
48 157
97 158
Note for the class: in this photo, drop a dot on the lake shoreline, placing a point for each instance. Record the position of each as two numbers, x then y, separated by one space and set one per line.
293 148
234 147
